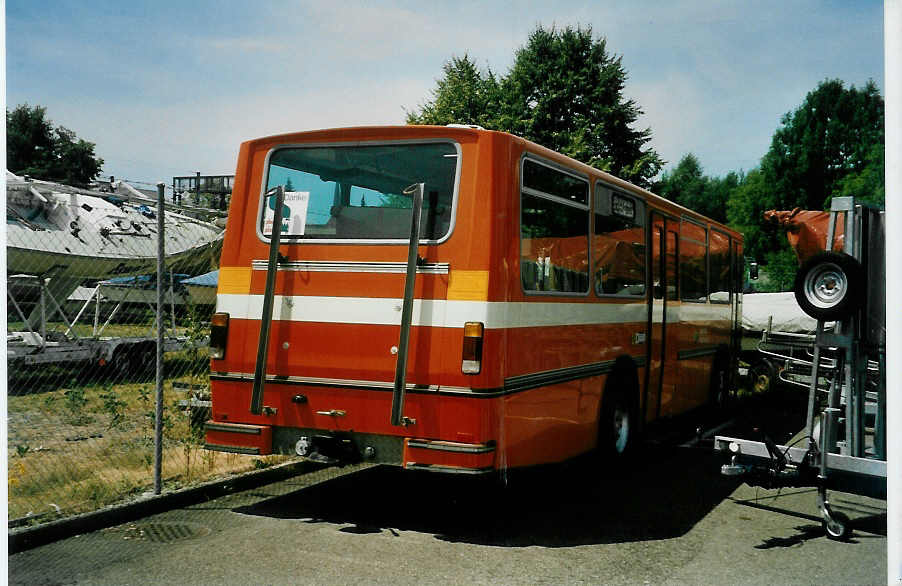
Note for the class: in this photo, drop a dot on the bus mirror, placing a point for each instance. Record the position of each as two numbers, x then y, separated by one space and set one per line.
753 271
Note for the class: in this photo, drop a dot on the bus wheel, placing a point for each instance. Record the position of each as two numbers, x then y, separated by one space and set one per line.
829 285
616 424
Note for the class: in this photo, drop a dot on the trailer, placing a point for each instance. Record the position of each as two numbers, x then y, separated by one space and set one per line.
843 367
60 345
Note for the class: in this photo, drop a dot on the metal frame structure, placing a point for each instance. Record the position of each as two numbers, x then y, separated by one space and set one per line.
36 345
844 370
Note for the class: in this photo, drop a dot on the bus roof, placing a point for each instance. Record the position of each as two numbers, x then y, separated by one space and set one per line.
401 132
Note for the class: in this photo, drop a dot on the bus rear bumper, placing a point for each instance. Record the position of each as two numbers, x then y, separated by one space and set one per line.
348 447
449 457
238 438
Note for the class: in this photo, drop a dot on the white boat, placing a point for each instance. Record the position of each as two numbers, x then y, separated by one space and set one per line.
62 236
55 229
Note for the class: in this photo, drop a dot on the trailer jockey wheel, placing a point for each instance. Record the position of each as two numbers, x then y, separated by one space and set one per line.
829 286
837 525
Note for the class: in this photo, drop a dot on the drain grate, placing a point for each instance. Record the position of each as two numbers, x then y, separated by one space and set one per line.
159 532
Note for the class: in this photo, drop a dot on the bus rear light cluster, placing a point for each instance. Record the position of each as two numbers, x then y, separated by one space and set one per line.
219 333
472 350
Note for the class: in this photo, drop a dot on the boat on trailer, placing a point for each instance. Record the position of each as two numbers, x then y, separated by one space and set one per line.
54 228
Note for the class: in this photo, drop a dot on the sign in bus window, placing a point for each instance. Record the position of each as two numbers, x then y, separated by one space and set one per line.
294 213
618 244
356 192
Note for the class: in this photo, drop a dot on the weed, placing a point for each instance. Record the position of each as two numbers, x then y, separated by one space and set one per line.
75 400
115 408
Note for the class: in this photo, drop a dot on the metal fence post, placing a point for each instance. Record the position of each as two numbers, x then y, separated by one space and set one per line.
158 419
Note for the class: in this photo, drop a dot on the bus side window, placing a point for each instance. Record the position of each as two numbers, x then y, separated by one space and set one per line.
719 262
554 230
618 244
693 262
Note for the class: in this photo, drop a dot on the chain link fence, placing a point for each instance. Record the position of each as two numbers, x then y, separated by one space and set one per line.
82 349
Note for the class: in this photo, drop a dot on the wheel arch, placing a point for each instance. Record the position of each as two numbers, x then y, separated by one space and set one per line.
624 375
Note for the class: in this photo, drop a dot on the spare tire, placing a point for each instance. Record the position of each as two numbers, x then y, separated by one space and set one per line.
829 286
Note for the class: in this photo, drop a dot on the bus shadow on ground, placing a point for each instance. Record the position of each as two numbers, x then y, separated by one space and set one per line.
662 494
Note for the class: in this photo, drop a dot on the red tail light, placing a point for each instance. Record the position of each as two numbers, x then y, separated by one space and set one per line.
219 333
472 350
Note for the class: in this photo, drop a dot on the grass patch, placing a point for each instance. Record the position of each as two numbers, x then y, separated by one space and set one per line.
84 446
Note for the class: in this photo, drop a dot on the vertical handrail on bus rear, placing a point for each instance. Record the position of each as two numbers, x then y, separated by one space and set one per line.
397 405
269 293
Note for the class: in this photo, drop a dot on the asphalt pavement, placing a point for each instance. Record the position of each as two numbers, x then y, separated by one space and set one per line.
669 517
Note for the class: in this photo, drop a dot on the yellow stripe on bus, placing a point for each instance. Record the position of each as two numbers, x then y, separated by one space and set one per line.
468 285
235 280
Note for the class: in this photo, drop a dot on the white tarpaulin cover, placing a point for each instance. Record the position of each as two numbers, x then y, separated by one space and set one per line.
757 308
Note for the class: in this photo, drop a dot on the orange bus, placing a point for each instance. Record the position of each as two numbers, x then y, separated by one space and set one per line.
458 300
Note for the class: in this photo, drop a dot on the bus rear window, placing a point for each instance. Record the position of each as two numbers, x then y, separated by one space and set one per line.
356 192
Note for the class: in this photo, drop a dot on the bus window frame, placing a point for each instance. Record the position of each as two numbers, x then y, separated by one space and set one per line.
288 240
641 217
587 207
684 220
730 283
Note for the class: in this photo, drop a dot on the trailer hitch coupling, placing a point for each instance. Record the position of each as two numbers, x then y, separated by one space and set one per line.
327 449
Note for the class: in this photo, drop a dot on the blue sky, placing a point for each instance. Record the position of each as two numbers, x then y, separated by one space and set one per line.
168 88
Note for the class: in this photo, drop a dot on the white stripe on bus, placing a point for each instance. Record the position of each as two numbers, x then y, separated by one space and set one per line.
444 313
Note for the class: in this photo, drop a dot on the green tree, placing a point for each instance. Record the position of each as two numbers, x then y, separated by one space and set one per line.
464 95
820 143
831 145
687 185
34 147
745 212
564 91
29 139
718 194
869 184
683 180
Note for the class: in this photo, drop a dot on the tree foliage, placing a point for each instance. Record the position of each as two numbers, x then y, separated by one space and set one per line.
34 147
827 138
688 186
832 144
464 95
869 184
564 91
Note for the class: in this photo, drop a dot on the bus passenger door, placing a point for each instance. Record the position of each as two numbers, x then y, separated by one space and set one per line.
659 384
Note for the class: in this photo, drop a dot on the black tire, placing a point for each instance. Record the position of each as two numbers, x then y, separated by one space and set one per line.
762 376
829 286
618 420
134 363
838 527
